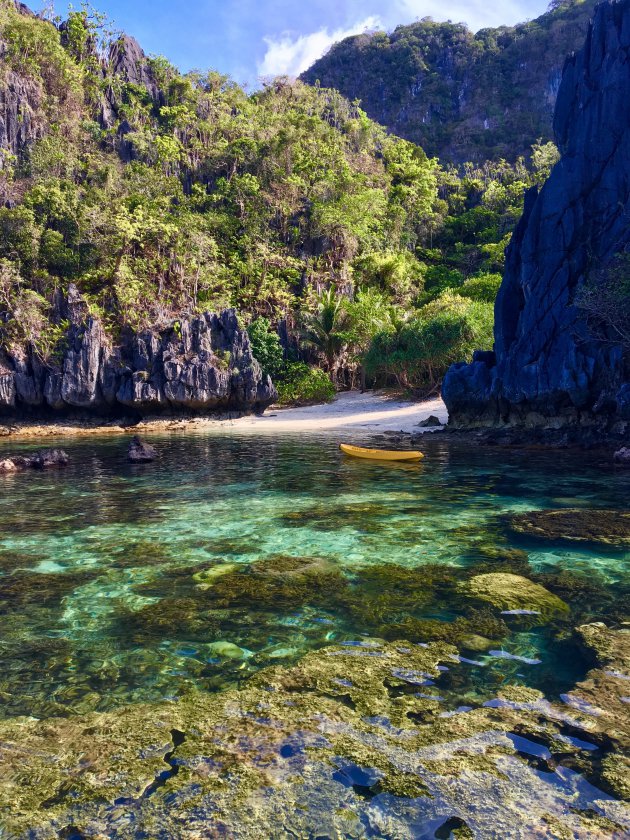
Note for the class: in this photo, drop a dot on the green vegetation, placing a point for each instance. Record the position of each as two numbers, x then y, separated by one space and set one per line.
183 194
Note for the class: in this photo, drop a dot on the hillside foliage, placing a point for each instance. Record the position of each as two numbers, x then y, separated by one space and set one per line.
461 96
183 193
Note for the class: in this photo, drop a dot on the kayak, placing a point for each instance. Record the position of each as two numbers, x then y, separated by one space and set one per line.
381 454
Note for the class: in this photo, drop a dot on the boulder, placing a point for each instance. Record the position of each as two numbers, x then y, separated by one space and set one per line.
514 593
140 452
48 458
549 367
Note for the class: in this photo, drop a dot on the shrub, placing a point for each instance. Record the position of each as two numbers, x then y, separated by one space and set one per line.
300 384
483 287
420 352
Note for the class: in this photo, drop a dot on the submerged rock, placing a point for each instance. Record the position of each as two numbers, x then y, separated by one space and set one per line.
228 650
331 745
609 527
510 592
140 452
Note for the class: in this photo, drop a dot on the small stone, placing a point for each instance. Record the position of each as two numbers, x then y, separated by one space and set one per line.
140 452
476 643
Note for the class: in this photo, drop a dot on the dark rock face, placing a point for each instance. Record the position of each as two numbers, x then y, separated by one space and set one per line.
20 111
46 459
200 364
548 368
140 452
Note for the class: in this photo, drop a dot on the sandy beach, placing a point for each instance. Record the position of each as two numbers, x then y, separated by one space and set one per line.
362 414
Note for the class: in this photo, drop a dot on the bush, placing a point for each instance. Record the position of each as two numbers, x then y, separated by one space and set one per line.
484 288
300 384
266 347
419 353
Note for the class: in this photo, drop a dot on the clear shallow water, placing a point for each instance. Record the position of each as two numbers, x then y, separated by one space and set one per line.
100 606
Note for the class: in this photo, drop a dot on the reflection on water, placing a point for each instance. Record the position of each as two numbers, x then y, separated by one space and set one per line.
122 584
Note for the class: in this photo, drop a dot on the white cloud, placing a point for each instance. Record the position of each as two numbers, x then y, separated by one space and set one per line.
290 55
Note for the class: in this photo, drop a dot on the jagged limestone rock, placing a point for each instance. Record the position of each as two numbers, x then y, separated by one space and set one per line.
199 364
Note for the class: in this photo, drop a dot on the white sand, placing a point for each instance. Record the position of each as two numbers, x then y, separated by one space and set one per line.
350 413
371 412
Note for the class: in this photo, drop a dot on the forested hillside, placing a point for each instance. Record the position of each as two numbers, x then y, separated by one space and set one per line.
160 195
459 95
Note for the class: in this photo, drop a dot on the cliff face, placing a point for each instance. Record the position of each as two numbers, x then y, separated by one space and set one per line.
201 364
549 365
459 95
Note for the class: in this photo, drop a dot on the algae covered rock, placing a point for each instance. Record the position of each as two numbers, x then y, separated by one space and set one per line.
513 593
331 747
606 645
609 527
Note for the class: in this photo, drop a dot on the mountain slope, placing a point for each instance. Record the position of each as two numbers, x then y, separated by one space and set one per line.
459 95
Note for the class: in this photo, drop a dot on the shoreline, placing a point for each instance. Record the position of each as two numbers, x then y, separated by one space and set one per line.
366 413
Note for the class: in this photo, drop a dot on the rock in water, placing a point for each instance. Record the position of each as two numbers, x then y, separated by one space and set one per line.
140 452
510 592
48 458
549 365
430 422
45 459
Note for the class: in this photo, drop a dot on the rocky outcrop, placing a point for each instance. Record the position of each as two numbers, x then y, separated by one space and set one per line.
21 122
549 368
46 459
200 364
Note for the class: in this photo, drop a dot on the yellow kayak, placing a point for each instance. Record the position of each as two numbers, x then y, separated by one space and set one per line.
381 454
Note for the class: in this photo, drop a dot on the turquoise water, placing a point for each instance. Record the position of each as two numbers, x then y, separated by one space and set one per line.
123 584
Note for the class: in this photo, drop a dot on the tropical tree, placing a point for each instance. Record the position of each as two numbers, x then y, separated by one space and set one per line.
325 329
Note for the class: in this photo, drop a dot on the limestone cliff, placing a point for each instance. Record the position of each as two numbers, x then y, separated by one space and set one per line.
199 364
549 366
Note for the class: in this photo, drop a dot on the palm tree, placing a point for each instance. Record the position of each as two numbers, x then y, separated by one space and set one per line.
324 329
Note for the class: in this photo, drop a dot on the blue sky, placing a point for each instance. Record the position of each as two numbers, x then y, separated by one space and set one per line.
250 39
